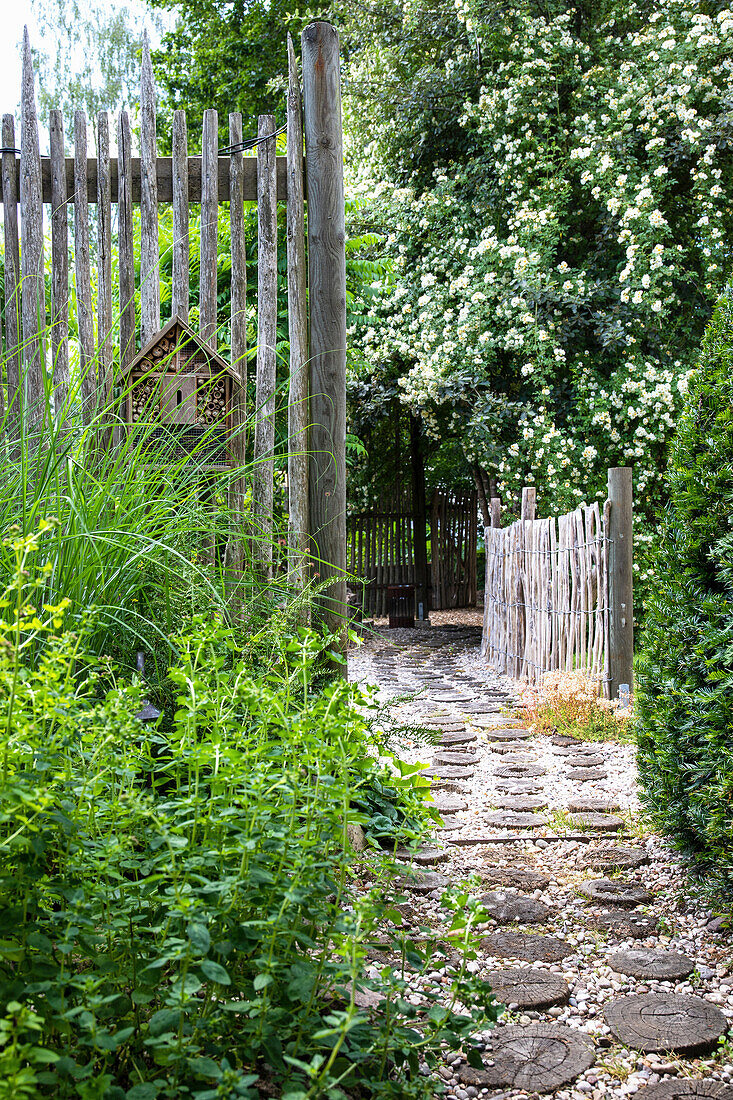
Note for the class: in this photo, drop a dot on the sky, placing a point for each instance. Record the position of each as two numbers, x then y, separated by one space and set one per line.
16 14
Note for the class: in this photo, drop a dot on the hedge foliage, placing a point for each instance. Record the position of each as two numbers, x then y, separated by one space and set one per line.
686 673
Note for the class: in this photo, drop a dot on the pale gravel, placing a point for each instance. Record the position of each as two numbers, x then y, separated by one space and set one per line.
593 983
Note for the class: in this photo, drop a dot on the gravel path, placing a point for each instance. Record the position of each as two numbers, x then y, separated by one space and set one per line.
627 985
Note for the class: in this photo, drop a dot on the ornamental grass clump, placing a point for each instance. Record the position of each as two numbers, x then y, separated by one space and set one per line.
686 673
569 703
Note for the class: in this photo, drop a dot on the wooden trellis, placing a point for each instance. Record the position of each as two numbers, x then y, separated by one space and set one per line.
37 346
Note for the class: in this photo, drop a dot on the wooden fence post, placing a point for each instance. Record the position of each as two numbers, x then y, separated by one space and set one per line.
620 579
529 502
327 285
495 509
298 399
31 256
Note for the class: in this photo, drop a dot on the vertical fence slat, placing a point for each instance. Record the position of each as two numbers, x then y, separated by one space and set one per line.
125 243
104 262
12 276
298 405
239 257
262 488
235 549
31 213
181 260
209 213
149 263
87 362
59 261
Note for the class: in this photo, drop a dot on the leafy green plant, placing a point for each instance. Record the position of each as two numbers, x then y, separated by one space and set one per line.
685 674
177 906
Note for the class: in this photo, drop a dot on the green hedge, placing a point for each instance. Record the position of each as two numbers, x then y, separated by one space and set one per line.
685 695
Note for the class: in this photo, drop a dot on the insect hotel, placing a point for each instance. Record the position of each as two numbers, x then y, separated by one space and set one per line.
179 397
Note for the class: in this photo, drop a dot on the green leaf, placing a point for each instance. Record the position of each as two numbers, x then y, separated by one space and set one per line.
199 936
262 981
215 973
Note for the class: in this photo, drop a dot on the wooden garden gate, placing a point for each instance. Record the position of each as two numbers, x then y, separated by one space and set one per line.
36 344
381 550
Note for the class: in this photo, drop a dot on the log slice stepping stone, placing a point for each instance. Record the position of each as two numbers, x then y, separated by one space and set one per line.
578 748
448 771
538 1058
520 803
451 697
684 1087
506 747
519 786
590 805
525 771
585 760
423 883
506 907
612 891
457 737
527 946
602 823
505 733
423 857
506 819
462 759
527 987
446 804
635 926
665 1022
657 965
450 825
614 858
585 775
520 877
563 740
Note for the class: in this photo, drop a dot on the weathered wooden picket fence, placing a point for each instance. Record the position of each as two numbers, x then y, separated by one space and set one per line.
36 345
558 591
382 550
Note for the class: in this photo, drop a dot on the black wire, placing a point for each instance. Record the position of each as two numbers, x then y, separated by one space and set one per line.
241 146
7 149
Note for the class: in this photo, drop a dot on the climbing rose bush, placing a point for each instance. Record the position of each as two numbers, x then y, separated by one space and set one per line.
551 282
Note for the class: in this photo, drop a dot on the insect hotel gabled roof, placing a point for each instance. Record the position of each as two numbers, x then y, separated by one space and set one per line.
180 395
183 335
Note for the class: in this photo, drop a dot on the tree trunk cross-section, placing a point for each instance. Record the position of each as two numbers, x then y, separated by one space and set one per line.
657 965
615 859
526 946
527 987
680 1089
537 1058
656 1022
506 908
616 892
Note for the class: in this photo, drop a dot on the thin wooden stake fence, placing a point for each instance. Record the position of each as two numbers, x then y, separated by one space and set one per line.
106 346
549 600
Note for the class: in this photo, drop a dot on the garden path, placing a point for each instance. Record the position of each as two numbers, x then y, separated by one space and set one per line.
617 979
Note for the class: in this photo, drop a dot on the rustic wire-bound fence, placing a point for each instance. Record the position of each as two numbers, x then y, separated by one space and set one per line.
40 378
558 592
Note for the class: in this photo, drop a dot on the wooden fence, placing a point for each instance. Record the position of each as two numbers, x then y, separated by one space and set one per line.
558 592
110 332
381 551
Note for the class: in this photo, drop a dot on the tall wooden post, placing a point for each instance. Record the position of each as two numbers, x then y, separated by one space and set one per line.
620 579
298 404
31 256
327 300
529 502
495 511
419 520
